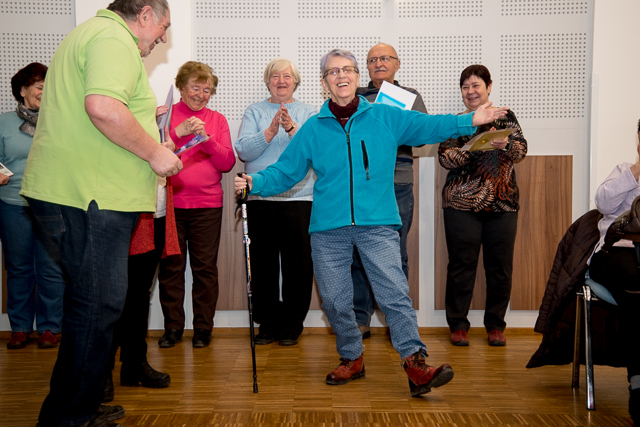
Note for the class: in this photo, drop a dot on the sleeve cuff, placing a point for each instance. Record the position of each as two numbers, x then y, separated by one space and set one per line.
465 124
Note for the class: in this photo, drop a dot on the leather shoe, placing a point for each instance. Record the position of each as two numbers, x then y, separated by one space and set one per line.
18 340
347 371
365 331
423 377
47 340
634 405
459 338
497 339
264 339
132 374
288 339
170 338
107 391
201 338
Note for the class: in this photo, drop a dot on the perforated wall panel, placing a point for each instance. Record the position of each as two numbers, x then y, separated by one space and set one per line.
543 7
311 50
239 63
18 50
335 9
440 9
432 66
238 9
47 7
544 76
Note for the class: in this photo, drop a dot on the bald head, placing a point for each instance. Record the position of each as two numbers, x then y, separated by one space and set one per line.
380 70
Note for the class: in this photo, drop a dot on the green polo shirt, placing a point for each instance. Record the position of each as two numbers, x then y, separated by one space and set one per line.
71 162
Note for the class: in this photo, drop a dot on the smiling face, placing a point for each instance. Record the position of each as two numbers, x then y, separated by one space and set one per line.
474 92
341 86
153 30
281 86
380 71
32 95
196 94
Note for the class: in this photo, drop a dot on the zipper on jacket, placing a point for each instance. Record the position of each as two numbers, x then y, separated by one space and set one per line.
353 220
365 157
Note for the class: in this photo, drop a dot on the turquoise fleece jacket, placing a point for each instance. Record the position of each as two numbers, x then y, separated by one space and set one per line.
355 165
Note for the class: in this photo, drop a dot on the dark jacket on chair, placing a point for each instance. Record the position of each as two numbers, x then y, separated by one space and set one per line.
556 318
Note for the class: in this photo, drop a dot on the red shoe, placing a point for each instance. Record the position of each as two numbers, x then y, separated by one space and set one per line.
497 339
47 340
422 377
18 340
347 371
459 338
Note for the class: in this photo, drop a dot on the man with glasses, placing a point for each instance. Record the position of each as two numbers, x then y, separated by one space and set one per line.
383 63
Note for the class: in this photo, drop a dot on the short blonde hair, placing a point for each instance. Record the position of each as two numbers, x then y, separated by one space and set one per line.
198 71
278 65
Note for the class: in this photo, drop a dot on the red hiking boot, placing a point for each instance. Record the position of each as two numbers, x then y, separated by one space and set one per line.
347 371
422 377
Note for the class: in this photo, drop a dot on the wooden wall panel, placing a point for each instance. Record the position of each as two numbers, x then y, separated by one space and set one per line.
231 264
545 184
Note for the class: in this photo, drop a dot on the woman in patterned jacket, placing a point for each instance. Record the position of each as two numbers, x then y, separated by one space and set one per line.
480 202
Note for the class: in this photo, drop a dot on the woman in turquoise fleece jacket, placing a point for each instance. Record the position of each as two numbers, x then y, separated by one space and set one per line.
352 146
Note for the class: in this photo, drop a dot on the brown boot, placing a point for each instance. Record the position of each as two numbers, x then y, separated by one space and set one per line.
422 377
347 371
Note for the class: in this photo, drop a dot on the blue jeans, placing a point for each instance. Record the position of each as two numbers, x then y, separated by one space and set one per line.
94 246
31 259
362 298
332 253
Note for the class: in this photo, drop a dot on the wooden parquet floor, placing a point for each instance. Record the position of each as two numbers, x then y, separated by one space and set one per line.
213 387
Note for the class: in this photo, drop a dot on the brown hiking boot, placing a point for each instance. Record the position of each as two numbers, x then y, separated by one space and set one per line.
347 371
422 377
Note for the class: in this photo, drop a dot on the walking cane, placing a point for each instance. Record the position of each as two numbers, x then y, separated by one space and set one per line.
242 203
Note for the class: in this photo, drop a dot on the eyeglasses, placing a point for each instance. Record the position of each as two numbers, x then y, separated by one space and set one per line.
384 59
349 69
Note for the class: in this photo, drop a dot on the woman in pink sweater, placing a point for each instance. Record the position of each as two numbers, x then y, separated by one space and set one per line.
198 205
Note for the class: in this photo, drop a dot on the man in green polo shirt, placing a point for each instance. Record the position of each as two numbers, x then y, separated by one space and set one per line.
91 170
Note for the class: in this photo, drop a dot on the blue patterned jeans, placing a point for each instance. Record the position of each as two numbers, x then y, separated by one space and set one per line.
378 246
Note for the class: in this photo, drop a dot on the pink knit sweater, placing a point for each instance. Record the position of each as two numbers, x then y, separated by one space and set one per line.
198 183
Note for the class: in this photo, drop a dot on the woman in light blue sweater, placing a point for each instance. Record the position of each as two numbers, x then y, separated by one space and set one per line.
31 258
280 242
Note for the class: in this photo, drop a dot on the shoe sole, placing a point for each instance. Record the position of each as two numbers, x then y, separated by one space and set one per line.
200 345
461 343
147 384
357 376
116 415
47 345
287 343
167 344
438 381
497 343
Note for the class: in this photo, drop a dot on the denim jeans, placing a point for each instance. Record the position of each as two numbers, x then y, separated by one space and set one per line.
31 259
362 298
332 253
94 247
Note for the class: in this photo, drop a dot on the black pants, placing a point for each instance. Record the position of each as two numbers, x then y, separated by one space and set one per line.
279 233
618 271
130 331
465 232
200 227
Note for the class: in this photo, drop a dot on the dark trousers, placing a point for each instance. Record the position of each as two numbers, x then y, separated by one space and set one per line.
94 247
199 232
280 243
465 232
618 272
130 331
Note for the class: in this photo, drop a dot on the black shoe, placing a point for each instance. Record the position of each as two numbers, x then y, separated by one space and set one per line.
201 338
170 338
107 392
634 405
132 374
264 339
288 338
106 414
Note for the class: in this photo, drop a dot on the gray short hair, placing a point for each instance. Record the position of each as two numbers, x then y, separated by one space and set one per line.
337 52
278 65
130 9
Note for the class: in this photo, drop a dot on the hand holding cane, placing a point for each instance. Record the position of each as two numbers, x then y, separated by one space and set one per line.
242 204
